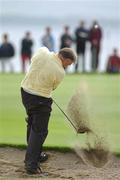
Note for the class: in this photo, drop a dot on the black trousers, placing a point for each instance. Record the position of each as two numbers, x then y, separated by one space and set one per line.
94 57
38 110
81 56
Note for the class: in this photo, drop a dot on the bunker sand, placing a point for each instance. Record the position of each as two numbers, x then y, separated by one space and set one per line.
59 166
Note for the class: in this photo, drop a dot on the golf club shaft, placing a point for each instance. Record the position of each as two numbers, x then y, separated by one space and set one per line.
65 115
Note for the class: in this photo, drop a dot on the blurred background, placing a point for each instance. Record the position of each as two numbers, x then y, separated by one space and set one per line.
19 16
35 18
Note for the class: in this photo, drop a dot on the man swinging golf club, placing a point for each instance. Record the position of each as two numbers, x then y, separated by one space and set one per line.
45 74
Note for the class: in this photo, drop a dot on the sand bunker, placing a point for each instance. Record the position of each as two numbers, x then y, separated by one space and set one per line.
59 166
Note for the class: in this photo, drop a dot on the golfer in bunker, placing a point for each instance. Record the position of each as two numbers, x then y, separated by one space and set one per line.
46 71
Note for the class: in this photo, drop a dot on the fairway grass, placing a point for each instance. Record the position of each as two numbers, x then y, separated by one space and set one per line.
104 101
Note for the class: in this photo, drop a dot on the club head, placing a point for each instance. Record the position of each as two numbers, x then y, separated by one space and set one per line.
83 130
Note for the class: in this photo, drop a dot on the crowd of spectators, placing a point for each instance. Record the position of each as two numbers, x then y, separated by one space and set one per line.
81 36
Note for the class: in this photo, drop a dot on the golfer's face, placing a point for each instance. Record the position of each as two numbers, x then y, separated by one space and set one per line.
67 62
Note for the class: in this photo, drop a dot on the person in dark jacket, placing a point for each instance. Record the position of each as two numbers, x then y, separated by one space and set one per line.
81 37
113 65
66 38
7 52
95 36
26 50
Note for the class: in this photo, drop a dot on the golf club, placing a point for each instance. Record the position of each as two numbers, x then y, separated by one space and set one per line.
65 115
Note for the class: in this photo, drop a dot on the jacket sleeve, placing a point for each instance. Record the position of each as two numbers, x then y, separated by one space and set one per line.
57 81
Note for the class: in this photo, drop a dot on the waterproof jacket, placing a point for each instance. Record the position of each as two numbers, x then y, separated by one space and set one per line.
6 50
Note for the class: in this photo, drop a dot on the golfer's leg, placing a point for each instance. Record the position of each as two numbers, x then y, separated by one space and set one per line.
29 124
38 134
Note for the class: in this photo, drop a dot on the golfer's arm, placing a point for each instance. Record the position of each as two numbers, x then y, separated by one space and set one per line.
56 83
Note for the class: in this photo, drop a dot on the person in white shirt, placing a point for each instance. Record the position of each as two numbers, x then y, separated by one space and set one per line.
46 71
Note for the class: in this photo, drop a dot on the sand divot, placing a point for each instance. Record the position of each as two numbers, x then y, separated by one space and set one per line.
95 154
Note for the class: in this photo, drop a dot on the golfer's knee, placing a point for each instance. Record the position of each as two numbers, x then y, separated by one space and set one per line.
42 132
38 128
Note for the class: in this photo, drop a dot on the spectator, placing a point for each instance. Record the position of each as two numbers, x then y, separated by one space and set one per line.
48 40
95 36
81 37
66 38
113 65
26 50
7 52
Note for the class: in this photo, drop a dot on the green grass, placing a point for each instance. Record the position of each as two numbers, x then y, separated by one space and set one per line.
104 98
